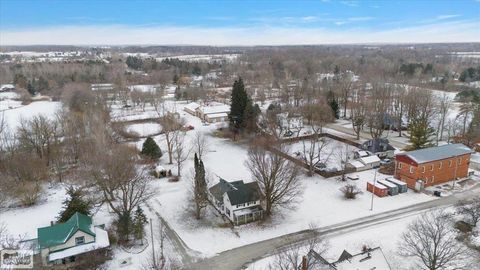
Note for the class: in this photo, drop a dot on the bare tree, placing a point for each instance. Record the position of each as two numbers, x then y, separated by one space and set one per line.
350 191
290 257
115 175
276 176
200 144
377 109
180 150
315 152
431 241
171 128
444 105
358 112
470 209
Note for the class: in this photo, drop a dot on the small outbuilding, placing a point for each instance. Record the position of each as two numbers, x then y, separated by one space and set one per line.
370 162
392 188
377 189
402 186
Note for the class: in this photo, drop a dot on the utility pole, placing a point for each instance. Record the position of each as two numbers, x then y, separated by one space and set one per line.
373 190
153 245
455 175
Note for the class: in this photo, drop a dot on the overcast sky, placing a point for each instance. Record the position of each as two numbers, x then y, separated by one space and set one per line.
228 22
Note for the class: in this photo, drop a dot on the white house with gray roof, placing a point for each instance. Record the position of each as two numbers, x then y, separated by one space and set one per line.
240 202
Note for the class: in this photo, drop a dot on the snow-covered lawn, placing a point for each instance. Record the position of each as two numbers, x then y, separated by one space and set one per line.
321 204
144 129
46 108
332 152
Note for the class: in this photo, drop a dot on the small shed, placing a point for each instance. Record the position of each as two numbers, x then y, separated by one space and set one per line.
370 162
356 165
392 188
160 171
402 186
377 189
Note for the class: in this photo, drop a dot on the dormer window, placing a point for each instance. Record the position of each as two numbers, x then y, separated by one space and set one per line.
79 240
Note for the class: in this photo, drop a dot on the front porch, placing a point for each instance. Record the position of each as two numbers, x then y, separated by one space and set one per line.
247 215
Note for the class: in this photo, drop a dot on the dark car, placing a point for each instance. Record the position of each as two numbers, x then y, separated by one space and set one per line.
288 133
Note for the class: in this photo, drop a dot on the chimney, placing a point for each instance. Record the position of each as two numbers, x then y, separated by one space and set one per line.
304 263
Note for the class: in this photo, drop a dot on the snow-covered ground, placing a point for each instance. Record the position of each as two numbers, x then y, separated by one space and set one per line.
46 108
7 101
144 129
322 202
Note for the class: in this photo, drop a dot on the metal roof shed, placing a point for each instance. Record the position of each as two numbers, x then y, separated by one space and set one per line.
392 188
402 186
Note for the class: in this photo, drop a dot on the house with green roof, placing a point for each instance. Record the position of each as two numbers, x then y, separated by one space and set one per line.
62 243
240 202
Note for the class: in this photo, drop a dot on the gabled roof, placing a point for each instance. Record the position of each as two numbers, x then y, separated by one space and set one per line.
377 145
438 153
238 192
60 233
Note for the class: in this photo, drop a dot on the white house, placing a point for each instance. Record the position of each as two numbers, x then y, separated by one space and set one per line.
102 87
213 113
61 244
370 162
240 202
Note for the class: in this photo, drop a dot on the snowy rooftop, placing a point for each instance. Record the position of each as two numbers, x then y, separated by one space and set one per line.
369 159
192 106
215 109
101 241
373 259
438 153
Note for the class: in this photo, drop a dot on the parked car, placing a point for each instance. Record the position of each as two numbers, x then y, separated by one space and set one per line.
320 166
353 177
437 193
188 127
385 161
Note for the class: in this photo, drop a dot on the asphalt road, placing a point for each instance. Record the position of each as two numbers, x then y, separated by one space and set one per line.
239 258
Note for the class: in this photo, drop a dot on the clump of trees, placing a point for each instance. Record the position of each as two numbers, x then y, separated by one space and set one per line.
470 74
350 191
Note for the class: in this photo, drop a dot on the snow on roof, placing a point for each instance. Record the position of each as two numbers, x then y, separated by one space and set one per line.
369 159
192 106
6 87
215 109
438 153
215 115
387 184
144 87
372 259
101 241
357 164
363 153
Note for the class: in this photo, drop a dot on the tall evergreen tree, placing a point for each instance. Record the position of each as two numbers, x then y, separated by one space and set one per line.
151 149
421 134
333 103
239 101
139 221
200 187
74 203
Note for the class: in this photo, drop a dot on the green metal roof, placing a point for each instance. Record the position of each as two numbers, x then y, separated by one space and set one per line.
60 233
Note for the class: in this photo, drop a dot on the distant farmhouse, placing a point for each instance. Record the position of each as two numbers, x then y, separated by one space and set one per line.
102 87
367 259
240 202
63 245
212 113
290 121
433 166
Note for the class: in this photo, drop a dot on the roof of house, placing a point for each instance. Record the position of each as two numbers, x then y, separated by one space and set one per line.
371 258
60 233
238 192
369 159
192 106
377 145
101 241
437 153
215 109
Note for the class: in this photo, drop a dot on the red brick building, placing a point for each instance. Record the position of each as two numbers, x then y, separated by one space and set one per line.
434 165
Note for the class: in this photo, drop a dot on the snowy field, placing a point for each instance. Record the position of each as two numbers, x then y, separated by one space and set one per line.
7 101
144 129
46 108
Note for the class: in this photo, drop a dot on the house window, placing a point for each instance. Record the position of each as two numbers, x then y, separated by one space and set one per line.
460 161
440 165
411 169
433 179
423 169
431 168
79 240
399 165
450 163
